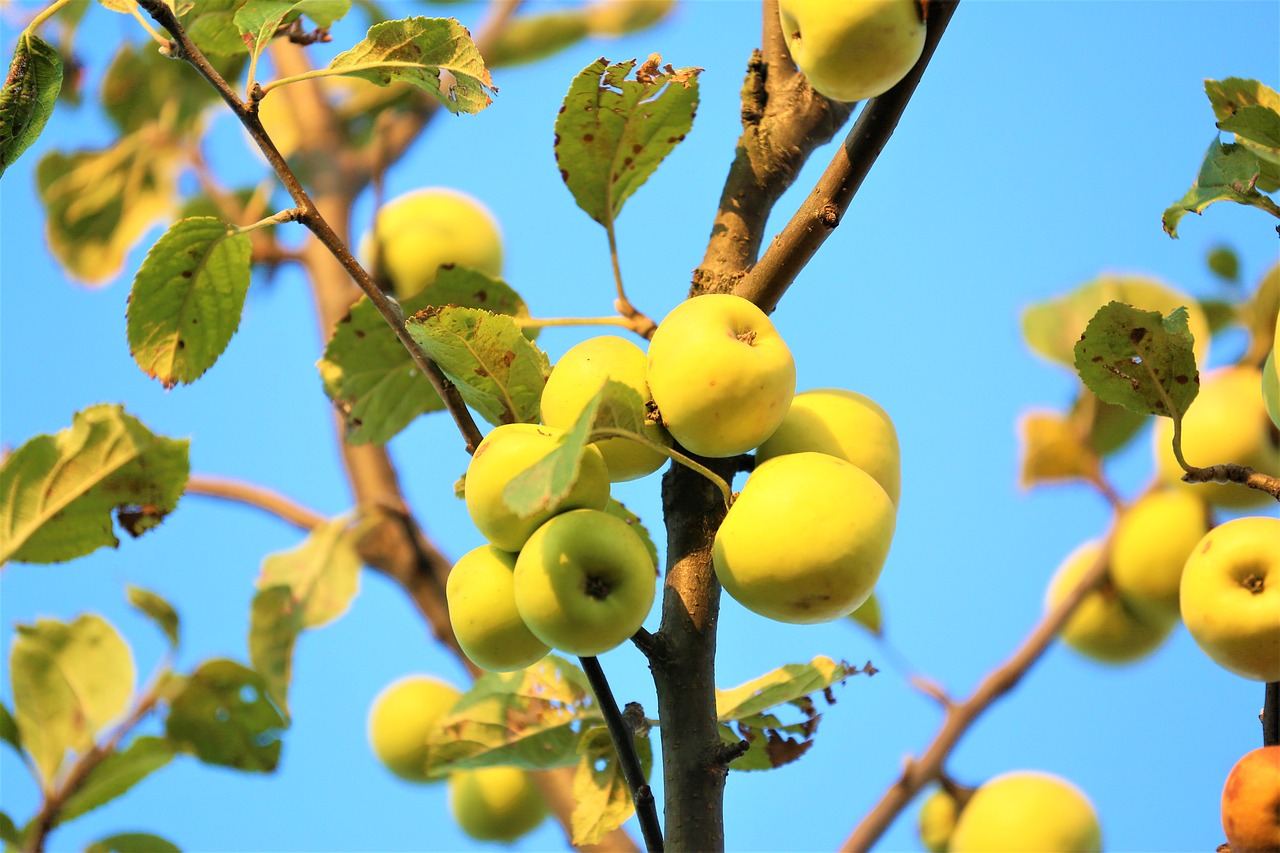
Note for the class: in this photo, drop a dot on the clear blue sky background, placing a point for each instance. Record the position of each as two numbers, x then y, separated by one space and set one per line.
1040 150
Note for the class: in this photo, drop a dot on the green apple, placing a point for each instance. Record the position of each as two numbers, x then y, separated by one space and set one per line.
400 718
1227 422
505 452
579 374
1271 388
584 582
495 803
420 231
1027 810
853 49
805 540
720 374
845 424
1231 596
1106 626
1152 541
1251 802
937 820
482 608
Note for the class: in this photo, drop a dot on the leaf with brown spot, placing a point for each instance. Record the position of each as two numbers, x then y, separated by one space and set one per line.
1139 360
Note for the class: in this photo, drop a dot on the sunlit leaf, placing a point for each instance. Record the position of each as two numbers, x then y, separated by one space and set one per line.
1139 360
211 25
323 572
275 621
785 684
1228 173
133 842
116 774
258 20
603 798
57 492
551 478
158 610
1251 111
27 98
222 716
1052 448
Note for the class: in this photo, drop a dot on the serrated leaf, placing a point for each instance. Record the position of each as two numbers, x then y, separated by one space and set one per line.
27 98
1052 449
603 798
1228 173
116 774
57 491
211 25
69 681
275 621
323 572
869 616
551 478
133 842
616 508
258 20
415 51
9 729
498 371
222 716
1139 360
158 610
789 683
532 718
187 298
612 133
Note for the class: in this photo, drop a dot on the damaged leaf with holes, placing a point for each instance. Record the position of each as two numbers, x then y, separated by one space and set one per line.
603 798
1139 360
221 715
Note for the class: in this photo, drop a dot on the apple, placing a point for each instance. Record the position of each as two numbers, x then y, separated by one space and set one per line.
1251 802
619 17
584 582
805 540
1271 388
577 377
1227 422
720 374
505 452
401 717
845 424
1231 596
420 231
1153 539
1027 810
1106 626
853 49
937 820
495 803
481 595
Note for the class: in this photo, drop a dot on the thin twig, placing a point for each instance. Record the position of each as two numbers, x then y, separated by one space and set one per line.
1271 715
258 497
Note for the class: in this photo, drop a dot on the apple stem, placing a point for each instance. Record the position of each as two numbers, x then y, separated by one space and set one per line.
674 455
1271 715
623 736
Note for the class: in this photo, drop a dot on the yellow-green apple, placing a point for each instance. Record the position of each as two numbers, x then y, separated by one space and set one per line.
805 540
619 17
1251 802
507 451
845 424
1231 596
482 608
417 233
853 49
1105 626
1271 388
937 820
580 373
1227 422
584 582
1152 541
400 718
721 375
1027 810
495 803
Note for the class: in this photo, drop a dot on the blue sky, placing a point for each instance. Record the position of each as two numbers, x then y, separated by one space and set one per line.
1040 150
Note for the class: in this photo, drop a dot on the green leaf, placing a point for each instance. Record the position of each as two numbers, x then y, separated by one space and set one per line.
869 616
1107 427
142 89
98 204
9 729
498 371
29 93
222 716
415 51
117 773
158 610
258 20
1139 360
603 798
551 478
69 681
531 718
786 684
275 621
616 508
1053 448
1251 111
323 572
530 37
211 25
187 298
9 833
133 842
612 133
1224 263
57 491
1229 173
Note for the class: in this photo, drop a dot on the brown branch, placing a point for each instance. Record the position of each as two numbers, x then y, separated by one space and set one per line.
256 496
1230 472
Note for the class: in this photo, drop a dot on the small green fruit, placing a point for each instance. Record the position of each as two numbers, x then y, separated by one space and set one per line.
482 608
853 49
400 718
495 803
937 821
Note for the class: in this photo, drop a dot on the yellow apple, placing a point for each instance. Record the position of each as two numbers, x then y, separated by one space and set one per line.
1227 422
805 540
584 582
1105 626
400 718
1027 810
845 424
853 49
1271 388
1251 802
1231 596
420 231
495 803
482 608
937 820
505 452
579 374
1152 541
721 375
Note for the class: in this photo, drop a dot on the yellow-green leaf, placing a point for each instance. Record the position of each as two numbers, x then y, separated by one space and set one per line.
30 91
1053 449
117 773
158 610
603 798
323 572
221 714
275 621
